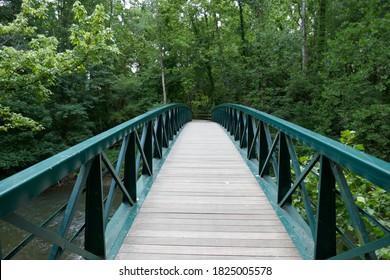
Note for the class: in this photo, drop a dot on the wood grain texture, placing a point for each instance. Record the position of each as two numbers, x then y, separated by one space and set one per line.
206 204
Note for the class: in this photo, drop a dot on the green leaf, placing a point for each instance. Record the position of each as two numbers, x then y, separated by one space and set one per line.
361 199
359 147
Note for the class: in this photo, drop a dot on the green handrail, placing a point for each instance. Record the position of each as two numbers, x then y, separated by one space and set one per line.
373 169
159 128
251 128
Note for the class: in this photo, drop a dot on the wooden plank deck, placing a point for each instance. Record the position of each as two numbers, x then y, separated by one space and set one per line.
206 204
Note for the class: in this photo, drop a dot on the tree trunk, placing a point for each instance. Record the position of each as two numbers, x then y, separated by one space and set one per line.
160 35
242 28
321 33
163 75
304 36
219 42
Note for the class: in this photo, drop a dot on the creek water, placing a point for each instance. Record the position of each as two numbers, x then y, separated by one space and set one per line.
38 211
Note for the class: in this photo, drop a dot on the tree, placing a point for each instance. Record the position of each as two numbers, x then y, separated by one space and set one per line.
35 67
32 69
355 76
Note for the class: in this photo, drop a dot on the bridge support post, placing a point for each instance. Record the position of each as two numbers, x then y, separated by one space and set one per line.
165 129
243 132
233 122
148 149
159 138
224 118
130 174
284 169
94 217
174 122
237 127
168 127
240 127
325 233
263 151
251 141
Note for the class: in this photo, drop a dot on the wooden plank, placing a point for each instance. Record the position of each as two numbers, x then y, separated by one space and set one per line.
211 242
203 166
194 193
224 186
206 186
213 234
201 210
205 180
209 228
208 216
207 200
209 208
206 204
163 182
219 222
213 251
158 256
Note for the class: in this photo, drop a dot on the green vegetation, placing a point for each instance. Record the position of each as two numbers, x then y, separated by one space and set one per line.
369 198
71 69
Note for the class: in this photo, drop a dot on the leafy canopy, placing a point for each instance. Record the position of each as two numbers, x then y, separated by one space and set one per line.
33 67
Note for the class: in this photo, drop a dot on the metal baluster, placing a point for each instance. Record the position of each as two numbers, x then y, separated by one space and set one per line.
94 218
325 233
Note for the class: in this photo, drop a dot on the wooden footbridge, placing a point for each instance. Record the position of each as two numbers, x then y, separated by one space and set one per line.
232 188
205 204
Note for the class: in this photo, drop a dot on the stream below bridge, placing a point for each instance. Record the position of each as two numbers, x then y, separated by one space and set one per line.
38 211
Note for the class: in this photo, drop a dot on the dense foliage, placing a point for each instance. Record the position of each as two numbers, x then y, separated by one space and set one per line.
71 69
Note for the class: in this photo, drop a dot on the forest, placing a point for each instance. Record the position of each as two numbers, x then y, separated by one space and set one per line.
72 69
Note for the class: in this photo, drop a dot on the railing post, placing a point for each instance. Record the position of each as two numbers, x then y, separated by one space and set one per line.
251 148
148 148
224 117
168 125
179 119
236 123
174 122
130 174
236 134
232 119
227 119
242 131
178 122
159 136
325 233
239 127
263 150
94 218
178 116
284 174
165 130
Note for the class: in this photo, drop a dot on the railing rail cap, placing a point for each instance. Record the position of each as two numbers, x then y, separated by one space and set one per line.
375 170
25 185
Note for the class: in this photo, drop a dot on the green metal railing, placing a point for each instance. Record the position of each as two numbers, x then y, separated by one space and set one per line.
144 143
271 147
